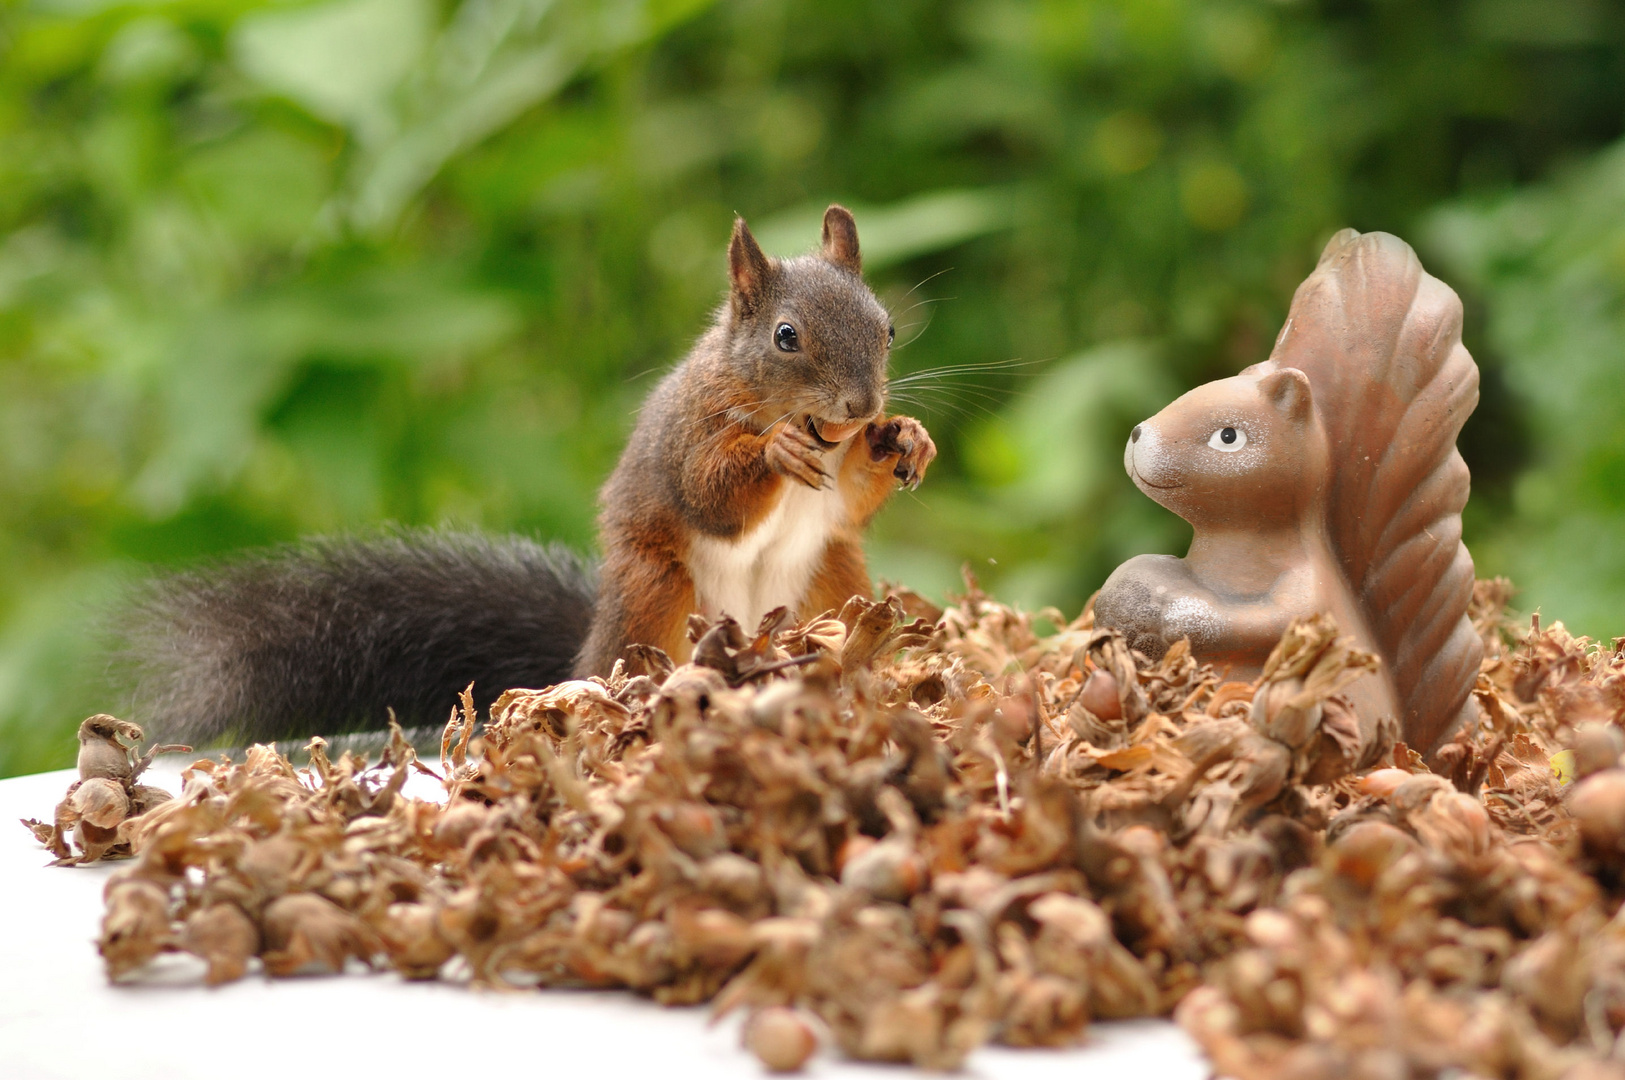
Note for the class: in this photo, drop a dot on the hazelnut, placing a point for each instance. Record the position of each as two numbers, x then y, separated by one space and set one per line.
780 1039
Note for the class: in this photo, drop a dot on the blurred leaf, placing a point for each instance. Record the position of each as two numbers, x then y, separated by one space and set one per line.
266 186
1549 263
903 230
1072 419
495 60
342 60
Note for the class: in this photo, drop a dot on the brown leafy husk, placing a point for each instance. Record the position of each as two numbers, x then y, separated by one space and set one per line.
88 822
921 830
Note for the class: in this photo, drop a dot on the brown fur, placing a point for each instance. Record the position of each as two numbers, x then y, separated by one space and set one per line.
841 575
721 438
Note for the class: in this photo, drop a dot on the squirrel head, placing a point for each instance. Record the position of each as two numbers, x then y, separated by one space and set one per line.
1243 451
807 332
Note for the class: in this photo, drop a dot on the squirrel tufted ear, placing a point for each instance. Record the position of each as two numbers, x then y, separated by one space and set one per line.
841 238
1288 390
748 269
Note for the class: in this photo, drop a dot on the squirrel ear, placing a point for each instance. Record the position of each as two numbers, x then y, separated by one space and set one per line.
841 238
748 269
1288 390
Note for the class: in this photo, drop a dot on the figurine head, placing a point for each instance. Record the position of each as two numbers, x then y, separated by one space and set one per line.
1246 451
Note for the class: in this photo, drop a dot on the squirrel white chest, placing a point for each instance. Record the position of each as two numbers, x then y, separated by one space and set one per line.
772 565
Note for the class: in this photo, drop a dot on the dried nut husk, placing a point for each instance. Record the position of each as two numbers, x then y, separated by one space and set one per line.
851 848
651 949
308 935
890 870
460 821
714 937
271 867
605 926
225 938
1043 1010
1013 719
911 1027
105 800
94 841
695 828
733 879
1454 824
780 1038
135 926
411 936
774 828
1279 713
1367 849
101 754
144 797
101 802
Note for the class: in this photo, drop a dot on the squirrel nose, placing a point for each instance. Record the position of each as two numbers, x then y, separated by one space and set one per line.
1134 436
857 407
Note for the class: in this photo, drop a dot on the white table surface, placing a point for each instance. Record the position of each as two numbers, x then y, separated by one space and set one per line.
59 1017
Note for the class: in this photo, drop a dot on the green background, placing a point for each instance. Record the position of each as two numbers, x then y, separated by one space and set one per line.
269 270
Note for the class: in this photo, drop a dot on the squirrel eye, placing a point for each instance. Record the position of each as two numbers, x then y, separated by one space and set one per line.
891 335
785 338
1228 439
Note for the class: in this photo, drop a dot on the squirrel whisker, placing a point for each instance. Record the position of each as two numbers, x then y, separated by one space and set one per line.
931 374
949 407
723 410
923 303
775 420
923 280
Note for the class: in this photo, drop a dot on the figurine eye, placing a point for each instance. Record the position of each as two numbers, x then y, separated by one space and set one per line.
891 335
785 338
1228 439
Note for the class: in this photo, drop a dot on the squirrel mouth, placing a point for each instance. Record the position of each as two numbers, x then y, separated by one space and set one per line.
829 434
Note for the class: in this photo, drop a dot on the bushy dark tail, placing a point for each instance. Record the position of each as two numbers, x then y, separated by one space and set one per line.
325 636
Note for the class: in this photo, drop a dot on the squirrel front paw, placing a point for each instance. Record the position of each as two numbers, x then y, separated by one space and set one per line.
794 453
902 442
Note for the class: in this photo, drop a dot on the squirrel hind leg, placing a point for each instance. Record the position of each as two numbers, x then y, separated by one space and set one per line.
841 575
642 601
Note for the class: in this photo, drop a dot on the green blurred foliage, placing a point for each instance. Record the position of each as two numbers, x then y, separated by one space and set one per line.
1549 265
271 269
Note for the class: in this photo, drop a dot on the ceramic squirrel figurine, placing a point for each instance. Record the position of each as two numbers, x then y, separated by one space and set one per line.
1324 479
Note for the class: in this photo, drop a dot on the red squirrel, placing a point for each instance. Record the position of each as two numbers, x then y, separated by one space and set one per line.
1325 479
756 464
747 482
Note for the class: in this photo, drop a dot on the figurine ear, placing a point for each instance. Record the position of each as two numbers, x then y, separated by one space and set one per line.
1288 390
748 269
841 238
1340 240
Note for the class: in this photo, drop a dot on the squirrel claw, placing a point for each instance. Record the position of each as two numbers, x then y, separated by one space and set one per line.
794 454
903 438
